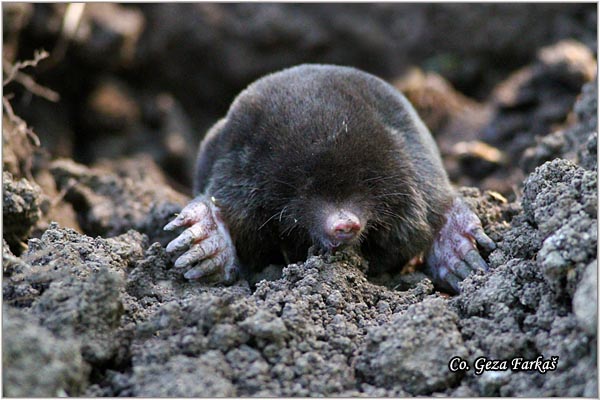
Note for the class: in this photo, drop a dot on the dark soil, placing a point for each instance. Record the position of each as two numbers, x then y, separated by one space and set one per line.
92 306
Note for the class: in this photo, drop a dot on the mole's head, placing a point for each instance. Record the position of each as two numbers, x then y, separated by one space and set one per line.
336 192
324 165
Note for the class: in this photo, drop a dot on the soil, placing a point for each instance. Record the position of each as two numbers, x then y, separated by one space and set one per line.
93 307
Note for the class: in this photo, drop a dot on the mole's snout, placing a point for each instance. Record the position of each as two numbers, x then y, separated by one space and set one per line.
342 227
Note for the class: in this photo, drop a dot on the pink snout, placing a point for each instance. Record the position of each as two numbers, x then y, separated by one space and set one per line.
342 227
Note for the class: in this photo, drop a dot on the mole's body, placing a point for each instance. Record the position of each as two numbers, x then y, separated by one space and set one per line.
326 156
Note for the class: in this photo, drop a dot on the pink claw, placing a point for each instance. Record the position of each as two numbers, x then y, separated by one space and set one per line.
209 250
454 255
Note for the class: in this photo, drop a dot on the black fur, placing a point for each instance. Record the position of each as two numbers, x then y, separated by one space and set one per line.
303 140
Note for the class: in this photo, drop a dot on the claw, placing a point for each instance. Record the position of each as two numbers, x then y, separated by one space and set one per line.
462 270
171 226
482 239
475 260
210 250
193 212
454 255
206 268
200 251
196 232
453 281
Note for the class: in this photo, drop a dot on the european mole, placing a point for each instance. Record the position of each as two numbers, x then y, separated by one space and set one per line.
325 157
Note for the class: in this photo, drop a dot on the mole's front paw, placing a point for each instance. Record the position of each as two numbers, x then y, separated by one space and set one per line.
209 251
454 253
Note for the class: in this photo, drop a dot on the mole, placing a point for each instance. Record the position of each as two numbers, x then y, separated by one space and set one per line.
323 158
